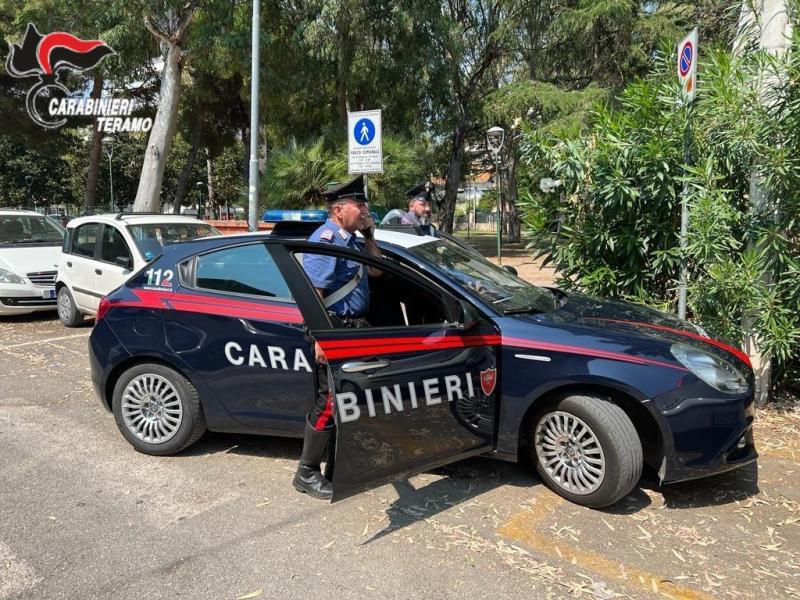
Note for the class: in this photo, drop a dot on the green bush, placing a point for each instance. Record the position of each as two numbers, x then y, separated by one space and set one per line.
612 227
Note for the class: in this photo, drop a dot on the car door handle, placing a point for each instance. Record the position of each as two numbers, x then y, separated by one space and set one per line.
365 365
98 271
69 264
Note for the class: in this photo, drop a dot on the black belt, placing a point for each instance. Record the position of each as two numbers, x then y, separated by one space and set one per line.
349 321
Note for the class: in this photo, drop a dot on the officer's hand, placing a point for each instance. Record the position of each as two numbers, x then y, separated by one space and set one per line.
368 231
319 355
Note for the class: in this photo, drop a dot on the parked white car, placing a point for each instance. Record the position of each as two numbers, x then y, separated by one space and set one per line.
30 248
102 251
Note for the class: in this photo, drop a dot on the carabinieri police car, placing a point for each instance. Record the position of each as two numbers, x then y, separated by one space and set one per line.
462 358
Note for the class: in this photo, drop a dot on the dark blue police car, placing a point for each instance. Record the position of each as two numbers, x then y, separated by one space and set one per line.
462 358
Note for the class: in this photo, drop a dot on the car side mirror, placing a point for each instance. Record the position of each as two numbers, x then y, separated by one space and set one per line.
469 316
510 269
124 262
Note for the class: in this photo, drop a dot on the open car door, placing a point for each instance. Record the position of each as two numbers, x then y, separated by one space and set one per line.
410 394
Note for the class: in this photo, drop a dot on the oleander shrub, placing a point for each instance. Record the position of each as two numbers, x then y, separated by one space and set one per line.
612 226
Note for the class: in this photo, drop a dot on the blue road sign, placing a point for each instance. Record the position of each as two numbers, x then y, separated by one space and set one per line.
686 59
364 131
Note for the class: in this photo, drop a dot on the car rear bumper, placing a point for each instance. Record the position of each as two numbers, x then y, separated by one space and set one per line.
105 353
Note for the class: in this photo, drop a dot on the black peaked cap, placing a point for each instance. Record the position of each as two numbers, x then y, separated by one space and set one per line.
421 191
351 189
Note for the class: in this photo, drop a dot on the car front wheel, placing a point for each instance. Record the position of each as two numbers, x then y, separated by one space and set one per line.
68 313
586 449
157 409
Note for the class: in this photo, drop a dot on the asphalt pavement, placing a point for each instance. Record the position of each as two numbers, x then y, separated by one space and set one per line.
82 515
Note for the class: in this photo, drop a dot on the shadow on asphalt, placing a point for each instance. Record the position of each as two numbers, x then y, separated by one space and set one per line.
462 482
43 317
246 445
470 478
717 490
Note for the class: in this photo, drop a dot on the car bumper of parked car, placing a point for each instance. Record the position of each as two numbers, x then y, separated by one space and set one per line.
709 436
23 299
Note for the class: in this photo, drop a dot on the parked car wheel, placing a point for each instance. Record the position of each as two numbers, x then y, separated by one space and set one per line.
68 313
587 450
157 409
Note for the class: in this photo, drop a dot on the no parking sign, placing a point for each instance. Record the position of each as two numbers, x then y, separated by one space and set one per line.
687 64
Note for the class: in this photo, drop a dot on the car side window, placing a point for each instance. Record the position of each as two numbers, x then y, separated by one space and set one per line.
113 247
242 270
394 300
83 241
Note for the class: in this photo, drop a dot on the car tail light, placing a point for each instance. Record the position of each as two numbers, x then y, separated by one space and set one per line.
102 309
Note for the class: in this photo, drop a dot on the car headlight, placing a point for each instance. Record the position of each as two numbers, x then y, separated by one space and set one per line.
9 277
716 372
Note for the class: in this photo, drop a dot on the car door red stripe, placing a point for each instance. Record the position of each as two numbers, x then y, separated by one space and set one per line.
394 345
695 336
213 306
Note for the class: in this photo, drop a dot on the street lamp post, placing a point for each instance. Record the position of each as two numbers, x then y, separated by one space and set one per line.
108 146
255 45
200 185
495 137
29 183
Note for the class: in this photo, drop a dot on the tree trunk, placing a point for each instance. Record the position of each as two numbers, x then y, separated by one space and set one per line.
511 219
90 198
155 158
454 173
345 60
768 22
183 179
212 195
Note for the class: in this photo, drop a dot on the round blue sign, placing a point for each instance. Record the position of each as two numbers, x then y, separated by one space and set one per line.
686 59
364 131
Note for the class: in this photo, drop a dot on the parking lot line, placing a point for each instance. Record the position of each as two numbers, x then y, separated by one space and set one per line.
55 339
522 528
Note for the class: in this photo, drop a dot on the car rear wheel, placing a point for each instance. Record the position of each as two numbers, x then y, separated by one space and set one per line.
68 313
157 409
586 449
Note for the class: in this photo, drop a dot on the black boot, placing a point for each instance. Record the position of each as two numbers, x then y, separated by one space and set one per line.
308 478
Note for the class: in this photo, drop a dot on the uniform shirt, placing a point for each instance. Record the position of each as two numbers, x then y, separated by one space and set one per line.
332 273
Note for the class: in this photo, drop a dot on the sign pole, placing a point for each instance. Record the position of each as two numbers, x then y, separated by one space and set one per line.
684 239
687 74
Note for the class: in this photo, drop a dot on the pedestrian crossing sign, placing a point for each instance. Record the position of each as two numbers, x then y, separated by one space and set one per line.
364 142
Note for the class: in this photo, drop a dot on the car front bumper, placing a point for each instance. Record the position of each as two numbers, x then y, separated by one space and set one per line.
20 299
708 436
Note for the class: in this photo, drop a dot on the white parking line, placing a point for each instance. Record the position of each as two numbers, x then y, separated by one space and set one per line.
55 339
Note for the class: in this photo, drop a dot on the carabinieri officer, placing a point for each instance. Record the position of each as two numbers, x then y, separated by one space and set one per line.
419 204
344 288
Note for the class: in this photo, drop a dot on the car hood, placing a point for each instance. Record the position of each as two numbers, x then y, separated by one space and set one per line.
620 317
29 259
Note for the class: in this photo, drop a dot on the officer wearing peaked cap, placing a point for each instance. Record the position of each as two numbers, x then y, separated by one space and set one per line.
419 204
343 286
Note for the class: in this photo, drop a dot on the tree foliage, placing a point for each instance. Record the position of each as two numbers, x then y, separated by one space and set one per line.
612 227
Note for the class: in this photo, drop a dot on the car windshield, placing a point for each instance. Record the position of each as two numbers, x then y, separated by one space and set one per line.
507 292
30 229
151 237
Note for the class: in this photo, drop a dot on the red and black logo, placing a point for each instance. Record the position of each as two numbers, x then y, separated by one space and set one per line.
44 56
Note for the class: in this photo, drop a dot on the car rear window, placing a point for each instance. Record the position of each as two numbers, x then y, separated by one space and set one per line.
152 237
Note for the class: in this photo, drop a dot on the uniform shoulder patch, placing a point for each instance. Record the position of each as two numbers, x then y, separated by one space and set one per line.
326 235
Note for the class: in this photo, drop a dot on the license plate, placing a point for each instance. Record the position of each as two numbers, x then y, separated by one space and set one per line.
50 294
